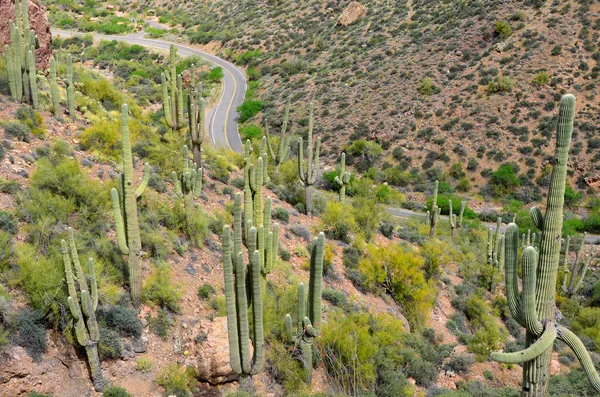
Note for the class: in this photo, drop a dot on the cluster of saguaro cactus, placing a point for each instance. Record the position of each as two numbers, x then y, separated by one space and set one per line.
535 307
455 222
83 303
573 278
124 203
528 239
308 173
173 100
257 212
239 294
188 187
309 321
434 215
196 114
283 150
20 57
343 179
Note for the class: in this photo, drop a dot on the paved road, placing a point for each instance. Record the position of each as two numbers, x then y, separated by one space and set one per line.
404 213
223 126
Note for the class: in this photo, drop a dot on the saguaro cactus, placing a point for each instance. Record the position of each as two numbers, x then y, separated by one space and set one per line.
343 178
196 115
574 278
82 304
283 149
188 187
32 78
70 86
309 322
54 89
308 174
455 222
237 295
535 307
124 203
434 214
173 101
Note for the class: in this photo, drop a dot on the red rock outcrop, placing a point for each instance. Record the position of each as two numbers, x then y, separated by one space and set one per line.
351 13
38 22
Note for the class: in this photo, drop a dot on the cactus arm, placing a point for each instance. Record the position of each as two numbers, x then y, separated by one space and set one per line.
54 88
198 183
70 278
179 98
497 238
257 311
242 306
315 162
582 355
301 173
166 101
489 243
530 318
177 185
70 86
10 71
463 204
93 284
544 342
267 138
274 247
119 225
315 285
288 327
301 309
565 289
144 183
81 278
502 253
230 301
451 218
511 241
32 79
536 216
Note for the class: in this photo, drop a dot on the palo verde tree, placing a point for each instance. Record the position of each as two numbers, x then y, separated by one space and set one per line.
124 203
83 302
309 321
308 172
535 306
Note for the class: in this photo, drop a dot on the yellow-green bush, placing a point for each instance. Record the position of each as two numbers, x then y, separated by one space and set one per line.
338 221
160 290
399 272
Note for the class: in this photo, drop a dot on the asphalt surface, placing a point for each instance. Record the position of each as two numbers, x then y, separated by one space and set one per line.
222 123
404 213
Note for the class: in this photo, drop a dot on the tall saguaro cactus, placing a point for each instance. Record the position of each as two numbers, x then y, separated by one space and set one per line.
343 179
309 321
434 214
283 150
196 115
188 187
455 222
54 89
238 292
70 86
173 100
573 278
308 173
82 304
535 307
124 203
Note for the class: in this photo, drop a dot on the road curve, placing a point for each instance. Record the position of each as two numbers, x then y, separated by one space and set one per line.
223 126
404 213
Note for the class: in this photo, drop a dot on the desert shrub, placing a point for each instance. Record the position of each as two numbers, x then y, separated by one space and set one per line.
16 130
109 345
282 214
115 391
285 368
249 109
32 333
8 222
542 78
387 226
504 180
338 221
427 88
284 254
423 372
575 383
367 214
301 231
32 119
103 136
502 29
175 380
160 290
335 297
250 131
500 84
161 323
402 277
205 291
434 253
459 364
220 218
219 164
122 319
143 364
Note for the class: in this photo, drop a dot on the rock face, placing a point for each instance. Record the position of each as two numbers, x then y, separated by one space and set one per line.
38 22
212 363
351 13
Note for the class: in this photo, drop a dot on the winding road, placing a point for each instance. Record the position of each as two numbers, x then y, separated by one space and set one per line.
222 122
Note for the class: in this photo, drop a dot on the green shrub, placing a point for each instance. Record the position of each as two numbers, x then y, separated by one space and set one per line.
335 297
205 291
122 319
109 345
249 109
160 290
500 84
427 88
17 130
423 372
8 222
282 214
542 78
175 381
502 29
459 364
104 136
143 364
216 74
115 391
338 221
250 131
32 333
31 119
161 323
505 180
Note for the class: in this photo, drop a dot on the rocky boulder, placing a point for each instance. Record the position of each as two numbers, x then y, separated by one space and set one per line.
38 22
351 13
212 355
